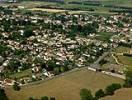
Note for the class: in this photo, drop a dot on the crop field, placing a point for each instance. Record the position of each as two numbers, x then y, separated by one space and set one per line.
65 87
47 10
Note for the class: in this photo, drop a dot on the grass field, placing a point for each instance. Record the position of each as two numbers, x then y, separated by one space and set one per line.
122 49
124 59
122 94
24 73
66 87
104 36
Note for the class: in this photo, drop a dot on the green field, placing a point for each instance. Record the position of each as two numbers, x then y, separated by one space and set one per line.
122 49
124 59
21 74
65 87
104 36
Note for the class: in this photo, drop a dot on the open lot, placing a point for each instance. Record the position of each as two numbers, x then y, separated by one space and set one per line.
65 87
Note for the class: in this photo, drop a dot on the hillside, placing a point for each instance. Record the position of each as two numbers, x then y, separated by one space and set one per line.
66 87
122 94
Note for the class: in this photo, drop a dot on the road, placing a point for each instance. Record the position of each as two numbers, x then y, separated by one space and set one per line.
108 73
96 63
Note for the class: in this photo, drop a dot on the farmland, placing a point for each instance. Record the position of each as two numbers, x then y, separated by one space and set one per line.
97 6
66 87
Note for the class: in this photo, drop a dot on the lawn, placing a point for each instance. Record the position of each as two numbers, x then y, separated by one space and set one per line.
104 36
66 87
21 74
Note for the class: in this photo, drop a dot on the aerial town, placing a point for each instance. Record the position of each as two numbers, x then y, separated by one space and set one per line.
38 46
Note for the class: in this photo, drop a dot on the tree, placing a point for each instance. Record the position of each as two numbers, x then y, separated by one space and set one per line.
112 88
88 28
128 74
51 65
86 94
13 65
31 98
3 95
95 24
100 93
44 98
62 69
52 98
16 36
27 33
56 70
16 86
3 49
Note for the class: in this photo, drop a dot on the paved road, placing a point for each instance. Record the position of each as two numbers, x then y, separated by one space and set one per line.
108 73
96 63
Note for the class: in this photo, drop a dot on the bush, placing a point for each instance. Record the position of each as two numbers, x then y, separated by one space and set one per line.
44 98
31 98
16 87
3 95
128 74
56 70
86 94
100 93
27 33
112 88
128 83
52 98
